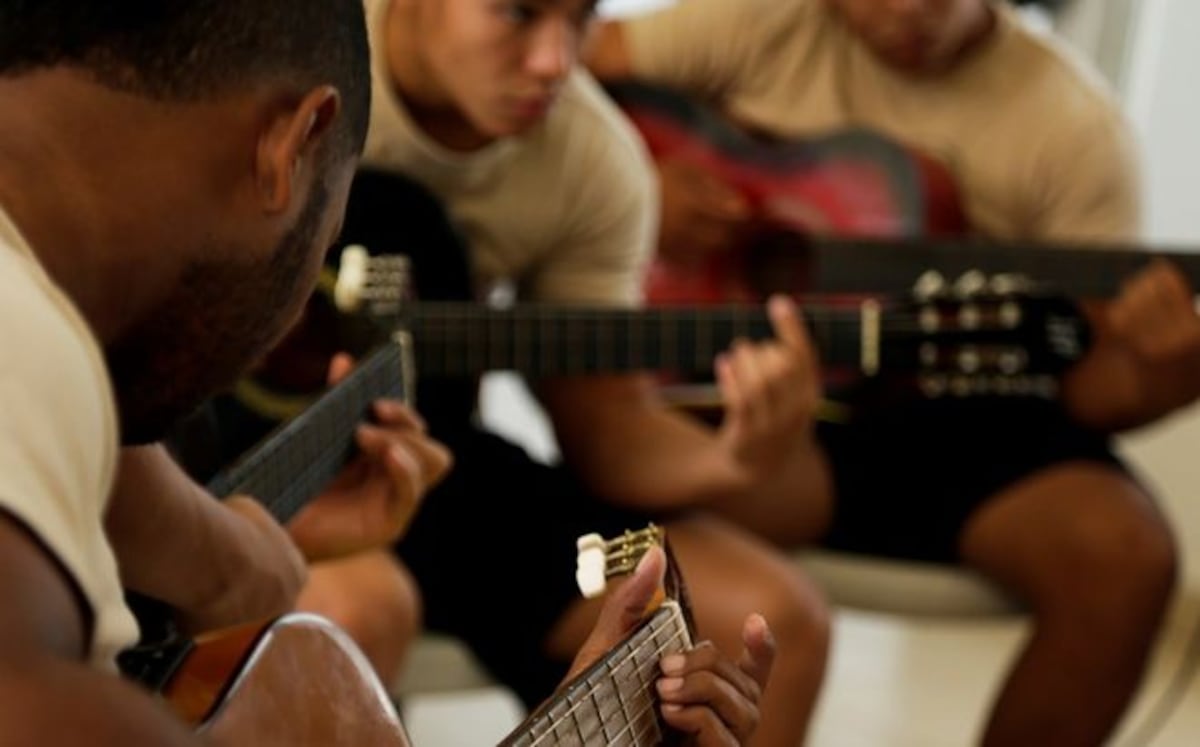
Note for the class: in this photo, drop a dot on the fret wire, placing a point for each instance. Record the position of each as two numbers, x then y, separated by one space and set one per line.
282 472
520 344
603 343
679 634
599 713
575 720
651 702
575 357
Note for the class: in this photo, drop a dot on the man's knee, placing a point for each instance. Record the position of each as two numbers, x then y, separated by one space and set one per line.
1123 550
369 599
795 610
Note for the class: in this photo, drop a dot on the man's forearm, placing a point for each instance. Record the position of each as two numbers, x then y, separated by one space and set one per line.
217 563
632 448
103 709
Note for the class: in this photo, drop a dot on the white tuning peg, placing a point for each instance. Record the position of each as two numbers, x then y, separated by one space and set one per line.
590 565
930 285
351 279
970 284
1010 283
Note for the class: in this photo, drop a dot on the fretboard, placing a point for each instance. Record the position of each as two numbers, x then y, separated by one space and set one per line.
614 701
295 462
457 339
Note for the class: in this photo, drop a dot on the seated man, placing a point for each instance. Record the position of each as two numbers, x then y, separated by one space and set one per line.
1040 152
204 151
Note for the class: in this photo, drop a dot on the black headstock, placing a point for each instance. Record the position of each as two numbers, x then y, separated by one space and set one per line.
995 335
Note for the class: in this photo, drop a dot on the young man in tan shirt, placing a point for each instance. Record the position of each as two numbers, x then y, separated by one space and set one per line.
1029 493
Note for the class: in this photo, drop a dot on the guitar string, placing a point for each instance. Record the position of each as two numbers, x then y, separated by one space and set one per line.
650 704
556 721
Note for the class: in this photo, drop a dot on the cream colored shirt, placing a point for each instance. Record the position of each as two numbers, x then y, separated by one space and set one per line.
58 437
1034 139
566 211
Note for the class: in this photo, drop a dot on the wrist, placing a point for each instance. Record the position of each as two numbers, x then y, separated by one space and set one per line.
257 574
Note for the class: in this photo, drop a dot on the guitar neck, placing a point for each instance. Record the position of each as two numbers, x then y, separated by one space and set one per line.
612 702
462 339
892 266
295 462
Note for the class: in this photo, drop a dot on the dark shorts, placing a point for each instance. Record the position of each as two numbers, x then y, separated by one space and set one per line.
493 549
908 477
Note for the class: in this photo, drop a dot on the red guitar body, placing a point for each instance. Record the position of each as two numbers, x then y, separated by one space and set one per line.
854 183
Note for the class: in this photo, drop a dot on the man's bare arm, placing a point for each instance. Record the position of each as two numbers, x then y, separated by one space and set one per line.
607 52
43 676
218 562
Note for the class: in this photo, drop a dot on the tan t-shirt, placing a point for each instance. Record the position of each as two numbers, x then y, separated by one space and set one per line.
1034 139
58 436
566 211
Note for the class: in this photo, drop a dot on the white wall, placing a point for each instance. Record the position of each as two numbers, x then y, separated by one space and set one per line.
1162 87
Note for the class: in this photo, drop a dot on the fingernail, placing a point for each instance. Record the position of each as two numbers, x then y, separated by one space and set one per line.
670 685
672 707
645 559
672 664
399 455
779 305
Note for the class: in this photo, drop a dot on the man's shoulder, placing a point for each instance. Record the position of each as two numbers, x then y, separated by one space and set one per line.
51 342
1047 65
588 124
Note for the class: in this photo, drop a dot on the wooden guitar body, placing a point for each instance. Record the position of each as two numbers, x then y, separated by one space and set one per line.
297 681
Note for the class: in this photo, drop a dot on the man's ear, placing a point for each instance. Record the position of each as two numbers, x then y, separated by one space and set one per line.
289 143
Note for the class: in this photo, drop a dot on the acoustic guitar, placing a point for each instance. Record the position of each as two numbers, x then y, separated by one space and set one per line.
851 212
986 339
973 337
299 680
296 680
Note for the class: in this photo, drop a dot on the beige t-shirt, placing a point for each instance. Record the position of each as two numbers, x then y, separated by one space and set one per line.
58 436
1034 139
566 211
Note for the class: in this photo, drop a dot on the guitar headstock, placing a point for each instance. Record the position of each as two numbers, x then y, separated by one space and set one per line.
614 700
599 559
375 284
986 335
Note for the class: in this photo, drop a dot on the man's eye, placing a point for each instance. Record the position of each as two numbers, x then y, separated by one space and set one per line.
520 13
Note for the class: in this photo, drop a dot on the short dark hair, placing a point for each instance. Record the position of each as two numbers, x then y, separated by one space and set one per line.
193 49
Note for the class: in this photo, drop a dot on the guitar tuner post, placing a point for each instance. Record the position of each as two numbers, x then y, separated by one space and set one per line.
970 360
971 284
930 285
599 559
970 317
1010 314
930 320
